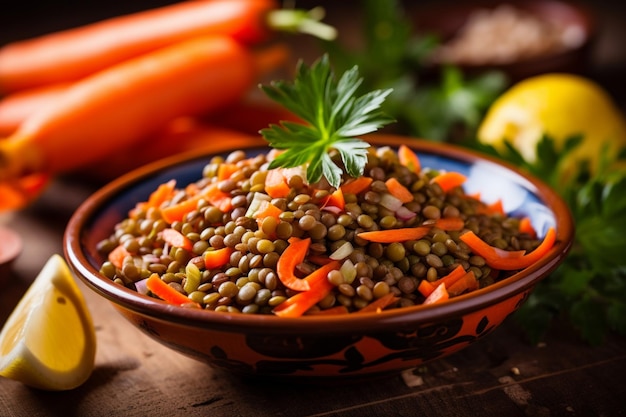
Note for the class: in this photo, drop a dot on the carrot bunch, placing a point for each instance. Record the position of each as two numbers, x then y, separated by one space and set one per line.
75 97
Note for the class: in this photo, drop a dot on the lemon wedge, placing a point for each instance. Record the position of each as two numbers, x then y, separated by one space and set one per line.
49 341
559 105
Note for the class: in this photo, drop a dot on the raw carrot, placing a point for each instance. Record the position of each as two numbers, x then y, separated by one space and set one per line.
290 258
163 193
121 105
398 190
266 209
175 238
18 106
467 282
425 287
297 305
217 258
508 260
439 295
409 159
276 184
449 224
449 279
336 199
357 185
449 180
75 53
226 170
167 293
211 193
379 304
525 226
117 256
395 235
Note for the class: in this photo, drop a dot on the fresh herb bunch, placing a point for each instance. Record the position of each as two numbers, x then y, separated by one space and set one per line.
335 117
589 288
444 106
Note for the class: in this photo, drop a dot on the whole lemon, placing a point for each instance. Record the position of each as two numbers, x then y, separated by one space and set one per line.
559 105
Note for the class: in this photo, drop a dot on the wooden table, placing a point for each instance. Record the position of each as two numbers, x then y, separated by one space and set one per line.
501 375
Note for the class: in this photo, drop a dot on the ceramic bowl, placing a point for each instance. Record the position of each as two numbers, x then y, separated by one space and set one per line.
446 19
319 347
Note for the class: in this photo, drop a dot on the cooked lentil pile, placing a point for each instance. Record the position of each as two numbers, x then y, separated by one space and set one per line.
252 240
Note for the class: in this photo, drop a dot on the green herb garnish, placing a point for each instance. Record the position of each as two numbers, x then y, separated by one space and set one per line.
335 117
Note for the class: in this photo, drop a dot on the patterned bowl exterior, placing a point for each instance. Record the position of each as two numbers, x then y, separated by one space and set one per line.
333 346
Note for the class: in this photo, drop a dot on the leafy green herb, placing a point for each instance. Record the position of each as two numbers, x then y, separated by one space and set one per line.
589 287
335 117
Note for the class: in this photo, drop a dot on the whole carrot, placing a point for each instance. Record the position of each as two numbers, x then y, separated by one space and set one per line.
120 105
72 54
17 107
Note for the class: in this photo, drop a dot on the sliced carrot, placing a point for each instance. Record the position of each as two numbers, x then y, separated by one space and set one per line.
217 258
467 282
425 287
449 279
409 159
398 190
290 258
226 170
449 180
439 295
395 235
176 239
357 185
320 287
276 184
117 256
379 304
212 193
450 223
508 260
526 227
336 199
167 293
163 193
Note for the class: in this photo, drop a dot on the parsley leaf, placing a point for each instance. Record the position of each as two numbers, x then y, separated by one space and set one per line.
335 117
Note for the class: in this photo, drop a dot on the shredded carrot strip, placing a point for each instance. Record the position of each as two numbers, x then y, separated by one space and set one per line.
398 190
467 282
508 260
439 295
525 226
167 293
217 258
449 180
379 304
117 255
395 235
357 185
290 258
409 159
450 223
177 239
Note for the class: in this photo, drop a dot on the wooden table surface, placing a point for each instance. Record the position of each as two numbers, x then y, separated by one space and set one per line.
500 375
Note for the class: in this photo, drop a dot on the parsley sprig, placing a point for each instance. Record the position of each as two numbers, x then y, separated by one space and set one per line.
335 116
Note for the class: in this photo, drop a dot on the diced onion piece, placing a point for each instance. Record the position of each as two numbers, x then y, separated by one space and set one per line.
348 271
390 202
342 252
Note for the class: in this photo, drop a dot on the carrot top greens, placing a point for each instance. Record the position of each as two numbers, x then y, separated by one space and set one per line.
334 117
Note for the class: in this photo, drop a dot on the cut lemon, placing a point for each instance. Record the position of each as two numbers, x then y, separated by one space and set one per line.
49 341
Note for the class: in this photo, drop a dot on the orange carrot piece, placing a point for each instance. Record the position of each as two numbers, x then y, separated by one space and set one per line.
440 294
177 212
357 185
395 235
290 258
467 282
297 305
525 226
449 180
117 256
176 239
398 190
266 209
217 258
167 293
379 304
450 223
508 260
275 184
124 104
496 207
449 279
409 159
336 199
226 170
84 50
425 287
